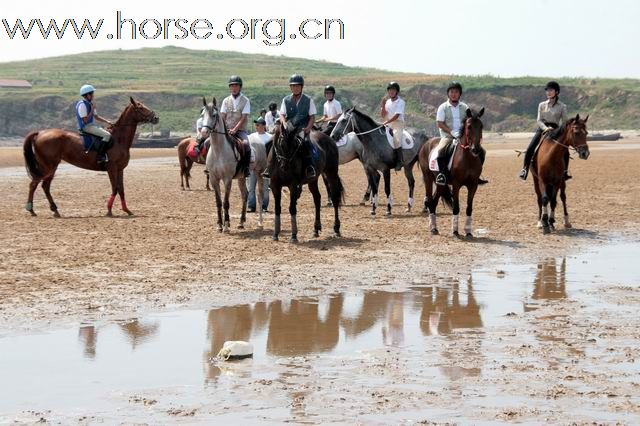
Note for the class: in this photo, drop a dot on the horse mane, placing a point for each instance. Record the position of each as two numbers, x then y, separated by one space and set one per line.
557 133
366 118
120 117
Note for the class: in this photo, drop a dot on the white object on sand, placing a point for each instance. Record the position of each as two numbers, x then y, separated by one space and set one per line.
236 349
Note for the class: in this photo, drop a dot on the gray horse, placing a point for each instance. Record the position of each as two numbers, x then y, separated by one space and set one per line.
377 154
222 166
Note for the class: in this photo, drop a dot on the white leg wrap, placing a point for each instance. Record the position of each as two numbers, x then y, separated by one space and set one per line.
411 201
374 200
567 223
432 222
468 228
454 223
390 200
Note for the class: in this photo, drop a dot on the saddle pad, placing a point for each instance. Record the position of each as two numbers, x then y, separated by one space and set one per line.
433 158
191 149
87 140
343 140
407 139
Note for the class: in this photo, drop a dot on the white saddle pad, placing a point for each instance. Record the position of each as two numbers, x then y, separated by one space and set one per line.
343 140
407 139
253 155
433 158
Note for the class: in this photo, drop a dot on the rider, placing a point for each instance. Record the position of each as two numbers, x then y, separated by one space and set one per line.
331 110
551 114
300 110
235 110
392 112
86 114
202 133
449 117
271 117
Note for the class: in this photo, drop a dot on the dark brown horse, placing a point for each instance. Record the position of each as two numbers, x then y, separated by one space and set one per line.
186 162
43 151
285 165
548 167
466 169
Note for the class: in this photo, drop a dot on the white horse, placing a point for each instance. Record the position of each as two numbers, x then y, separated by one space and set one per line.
222 165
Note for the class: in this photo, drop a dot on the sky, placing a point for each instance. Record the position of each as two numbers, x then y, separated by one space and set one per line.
506 38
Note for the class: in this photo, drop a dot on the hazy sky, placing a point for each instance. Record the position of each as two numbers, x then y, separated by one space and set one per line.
501 37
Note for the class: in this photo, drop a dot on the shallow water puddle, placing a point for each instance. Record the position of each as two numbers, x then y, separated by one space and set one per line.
103 368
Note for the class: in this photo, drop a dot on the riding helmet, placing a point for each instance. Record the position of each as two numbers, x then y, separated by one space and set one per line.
393 85
273 106
553 85
330 89
234 79
454 85
296 79
86 89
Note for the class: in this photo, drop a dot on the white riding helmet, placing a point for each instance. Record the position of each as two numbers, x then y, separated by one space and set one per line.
86 89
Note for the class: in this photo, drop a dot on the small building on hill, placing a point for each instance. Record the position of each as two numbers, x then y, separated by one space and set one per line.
14 84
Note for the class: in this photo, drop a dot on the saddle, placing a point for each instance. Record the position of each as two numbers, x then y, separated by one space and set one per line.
243 148
447 152
191 150
91 142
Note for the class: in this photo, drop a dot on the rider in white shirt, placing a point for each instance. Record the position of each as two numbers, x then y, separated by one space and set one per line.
332 110
392 112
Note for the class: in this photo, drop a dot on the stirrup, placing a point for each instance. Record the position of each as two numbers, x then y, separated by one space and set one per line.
524 173
567 176
266 174
441 179
310 172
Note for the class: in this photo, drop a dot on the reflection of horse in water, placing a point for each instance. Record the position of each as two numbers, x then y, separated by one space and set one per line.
137 332
550 282
439 316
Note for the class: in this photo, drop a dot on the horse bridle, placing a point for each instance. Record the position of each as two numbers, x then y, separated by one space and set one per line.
467 144
139 118
578 149
283 159
225 133
351 121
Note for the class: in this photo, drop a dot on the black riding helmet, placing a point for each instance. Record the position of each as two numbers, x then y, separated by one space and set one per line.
296 79
273 106
393 85
454 85
553 85
330 89
234 79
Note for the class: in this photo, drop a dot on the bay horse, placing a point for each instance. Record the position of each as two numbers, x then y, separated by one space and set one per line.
548 167
466 169
186 162
377 154
222 165
285 166
44 150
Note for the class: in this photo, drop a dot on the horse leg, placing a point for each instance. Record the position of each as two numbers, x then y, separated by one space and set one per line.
326 185
468 224
367 194
554 202
315 192
431 203
456 209
46 187
187 172
277 210
387 190
563 198
374 179
293 201
113 178
227 194
545 209
336 183
411 181
33 185
242 183
121 193
259 196
536 186
208 187
215 183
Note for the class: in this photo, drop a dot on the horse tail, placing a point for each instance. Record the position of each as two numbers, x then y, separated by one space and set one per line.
33 169
340 190
447 196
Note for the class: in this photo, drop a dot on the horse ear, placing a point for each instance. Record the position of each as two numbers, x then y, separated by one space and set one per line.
132 101
577 117
204 101
468 112
586 118
214 101
481 112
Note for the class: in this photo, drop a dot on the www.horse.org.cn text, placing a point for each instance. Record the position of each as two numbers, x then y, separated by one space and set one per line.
270 31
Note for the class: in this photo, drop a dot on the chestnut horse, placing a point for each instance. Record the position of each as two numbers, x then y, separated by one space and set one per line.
186 163
548 168
466 169
43 151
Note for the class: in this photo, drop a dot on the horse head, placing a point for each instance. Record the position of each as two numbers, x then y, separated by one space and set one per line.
576 136
285 143
135 113
211 117
341 127
471 134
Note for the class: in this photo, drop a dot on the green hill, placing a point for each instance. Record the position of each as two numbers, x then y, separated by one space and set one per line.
172 81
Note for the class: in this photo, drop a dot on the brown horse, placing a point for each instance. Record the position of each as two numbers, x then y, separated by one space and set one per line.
43 151
548 167
466 169
186 163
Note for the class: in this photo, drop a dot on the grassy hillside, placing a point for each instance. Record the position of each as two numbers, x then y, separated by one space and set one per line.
172 80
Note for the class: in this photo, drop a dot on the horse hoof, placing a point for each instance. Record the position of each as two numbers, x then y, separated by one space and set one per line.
33 214
109 214
469 236
407 210
337 234
241 226
219 228
568 225
260 227
373 213
329 204
363 203
316 234
546 230
456 234
129 212
387 214
293 240
274 238
435 232
56 214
